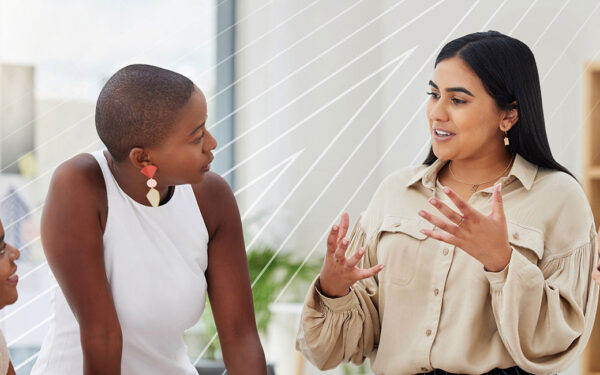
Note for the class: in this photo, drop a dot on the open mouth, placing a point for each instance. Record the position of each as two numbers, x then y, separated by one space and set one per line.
442 133
13 278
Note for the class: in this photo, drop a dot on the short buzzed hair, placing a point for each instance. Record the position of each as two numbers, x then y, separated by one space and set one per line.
137 107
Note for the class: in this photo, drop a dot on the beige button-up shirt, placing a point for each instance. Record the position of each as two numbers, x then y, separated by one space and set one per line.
435 307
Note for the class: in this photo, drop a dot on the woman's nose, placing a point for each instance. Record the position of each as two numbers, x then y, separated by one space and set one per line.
15 253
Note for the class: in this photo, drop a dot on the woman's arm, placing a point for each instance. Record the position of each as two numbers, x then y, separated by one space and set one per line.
228 279
72 228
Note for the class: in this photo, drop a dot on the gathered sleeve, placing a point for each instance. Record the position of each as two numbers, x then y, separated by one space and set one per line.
336 330
545 313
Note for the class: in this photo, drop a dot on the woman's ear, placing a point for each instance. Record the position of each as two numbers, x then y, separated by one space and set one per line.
139 157
510 117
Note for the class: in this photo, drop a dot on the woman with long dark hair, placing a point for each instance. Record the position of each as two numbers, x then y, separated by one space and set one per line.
488 246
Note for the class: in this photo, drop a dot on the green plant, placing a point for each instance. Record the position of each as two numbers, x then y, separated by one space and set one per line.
269 274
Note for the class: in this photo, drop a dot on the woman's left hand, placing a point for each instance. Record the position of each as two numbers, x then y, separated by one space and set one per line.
485 238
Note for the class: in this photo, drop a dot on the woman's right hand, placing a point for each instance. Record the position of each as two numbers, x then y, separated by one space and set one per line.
339 272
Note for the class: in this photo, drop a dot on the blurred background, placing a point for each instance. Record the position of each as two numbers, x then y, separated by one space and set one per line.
312 102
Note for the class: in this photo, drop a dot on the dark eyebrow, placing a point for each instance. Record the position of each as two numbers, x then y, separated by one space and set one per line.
197 128
453 89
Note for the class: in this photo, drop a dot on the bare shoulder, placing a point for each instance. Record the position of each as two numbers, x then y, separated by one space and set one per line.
80 173
216 201
77 188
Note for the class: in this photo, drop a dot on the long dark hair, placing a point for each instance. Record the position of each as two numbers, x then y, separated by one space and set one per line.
507 68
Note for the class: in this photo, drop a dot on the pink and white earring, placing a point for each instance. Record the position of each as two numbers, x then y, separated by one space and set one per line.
153 195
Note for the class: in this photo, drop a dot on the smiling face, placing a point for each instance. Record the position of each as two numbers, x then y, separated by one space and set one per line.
464 120
185 155
8 269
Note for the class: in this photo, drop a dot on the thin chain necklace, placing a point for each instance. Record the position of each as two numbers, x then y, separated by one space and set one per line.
474 187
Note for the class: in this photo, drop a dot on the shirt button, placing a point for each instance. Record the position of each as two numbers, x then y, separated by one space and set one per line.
516 236
436 291
428 332
446 251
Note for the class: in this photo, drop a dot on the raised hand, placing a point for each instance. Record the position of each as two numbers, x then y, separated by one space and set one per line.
339 272
484 237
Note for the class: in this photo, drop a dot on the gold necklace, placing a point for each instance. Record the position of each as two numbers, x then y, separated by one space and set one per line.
474 187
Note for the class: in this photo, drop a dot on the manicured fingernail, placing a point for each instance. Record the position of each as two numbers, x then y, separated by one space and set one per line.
423 231
381 266
422 213
345 241
361 251
446 190
433 201
335 227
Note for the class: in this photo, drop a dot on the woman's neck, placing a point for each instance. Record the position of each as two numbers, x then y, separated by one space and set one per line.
480 170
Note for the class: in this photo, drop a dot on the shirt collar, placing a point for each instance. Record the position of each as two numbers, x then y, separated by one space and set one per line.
522 169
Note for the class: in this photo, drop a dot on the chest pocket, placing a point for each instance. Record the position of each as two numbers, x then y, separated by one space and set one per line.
399 241
526 240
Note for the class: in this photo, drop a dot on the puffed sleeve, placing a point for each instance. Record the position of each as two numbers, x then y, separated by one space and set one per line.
335 330
545 313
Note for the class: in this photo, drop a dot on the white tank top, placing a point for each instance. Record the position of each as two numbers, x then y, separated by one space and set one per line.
155 259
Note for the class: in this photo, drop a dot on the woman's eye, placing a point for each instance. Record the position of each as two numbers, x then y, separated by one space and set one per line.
458 101
199 139
433 95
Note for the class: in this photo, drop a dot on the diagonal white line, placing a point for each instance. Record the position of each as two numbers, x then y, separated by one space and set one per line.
15 311
45 173
305 93
344 208
37 118
25 362
325 150
322 54
423 148
550 24
363 140
338 135
81 121
292 159
372 170
571 41
487 23
247 159
12 342
57 135
313 114
522 18
183 57
31 212
32 271
252 42
273 168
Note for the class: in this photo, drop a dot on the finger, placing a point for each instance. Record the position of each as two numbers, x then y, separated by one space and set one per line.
442 224
459 202
454 216
441 236
332 239
340 252
368 272
343 226
355 258
497 203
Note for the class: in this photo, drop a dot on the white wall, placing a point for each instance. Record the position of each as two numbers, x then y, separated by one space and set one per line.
564 45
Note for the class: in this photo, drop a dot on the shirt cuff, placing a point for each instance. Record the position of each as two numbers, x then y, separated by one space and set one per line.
345 303
518 265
